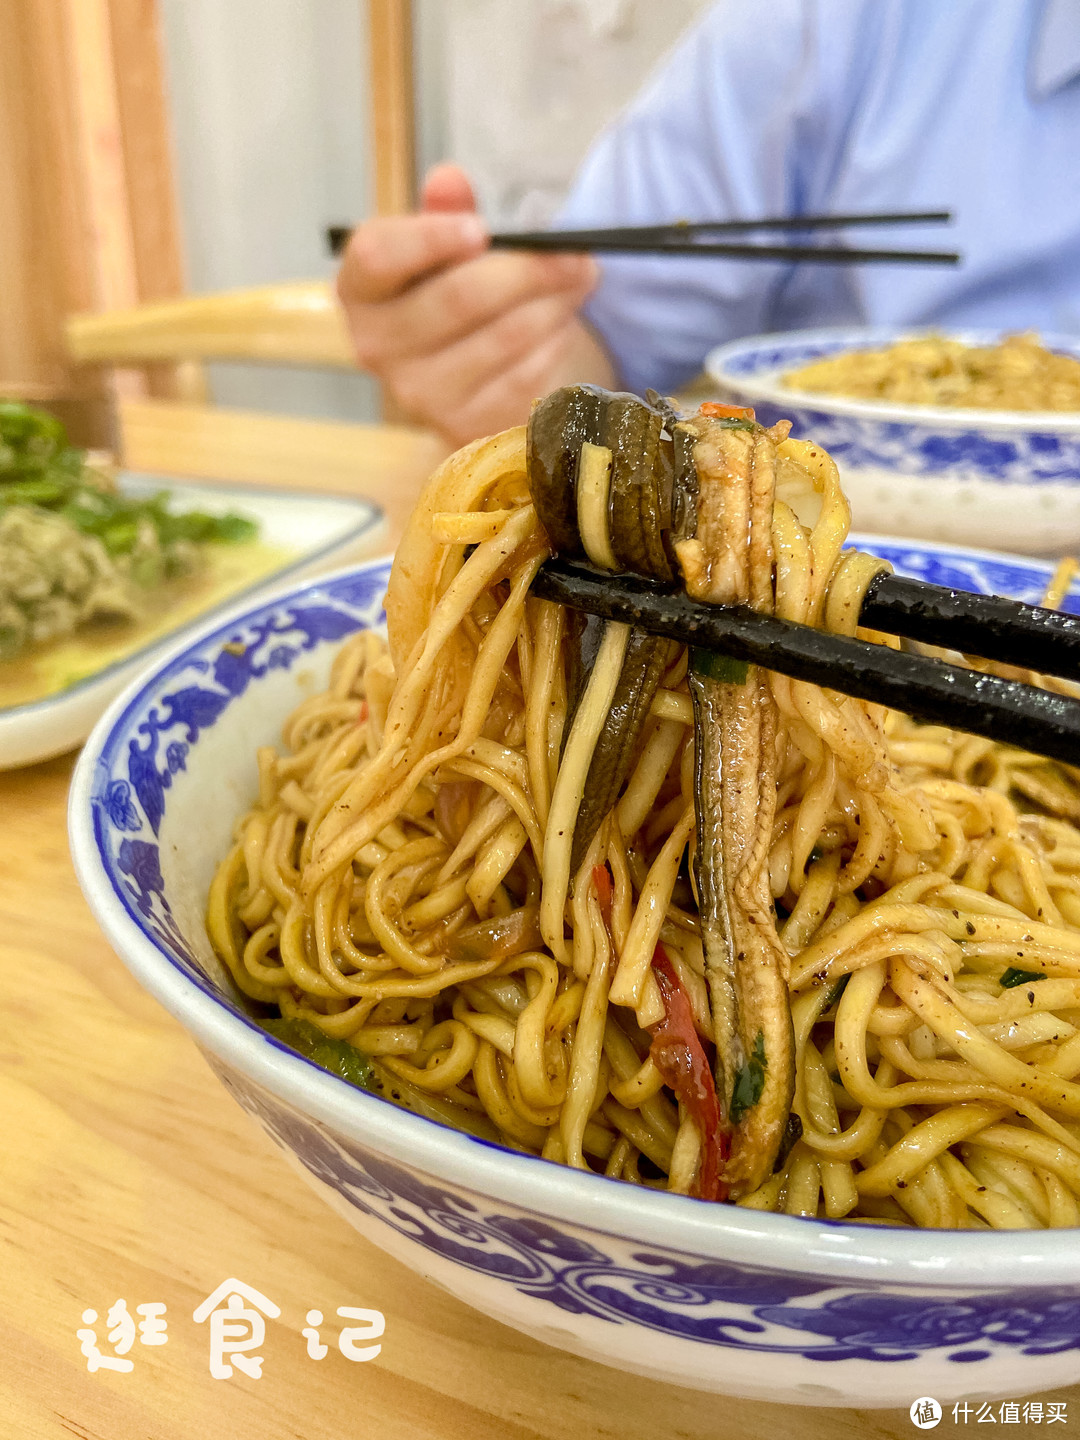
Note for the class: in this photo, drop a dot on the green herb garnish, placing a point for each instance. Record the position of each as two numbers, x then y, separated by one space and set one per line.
33 444
711 665
1013 977
337 1056
38 467
231 529
836 991
749 1081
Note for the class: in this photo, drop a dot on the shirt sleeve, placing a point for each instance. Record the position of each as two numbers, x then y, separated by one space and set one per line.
715 134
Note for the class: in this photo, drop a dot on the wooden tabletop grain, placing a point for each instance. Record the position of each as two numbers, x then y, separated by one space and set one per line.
126 1172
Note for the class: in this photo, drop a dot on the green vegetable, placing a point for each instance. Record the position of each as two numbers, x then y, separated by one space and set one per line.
32 492
120 537
337 1056
714 666
33 443
39 467
836 991
749 1081
1013 977
232 529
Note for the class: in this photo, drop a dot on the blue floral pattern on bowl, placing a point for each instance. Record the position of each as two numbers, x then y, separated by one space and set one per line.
532 1266
201 687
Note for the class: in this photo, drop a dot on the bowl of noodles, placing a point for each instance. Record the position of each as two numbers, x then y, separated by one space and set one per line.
974 436
699 1022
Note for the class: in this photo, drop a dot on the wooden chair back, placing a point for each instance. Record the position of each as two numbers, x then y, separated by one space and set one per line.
290 324
298 323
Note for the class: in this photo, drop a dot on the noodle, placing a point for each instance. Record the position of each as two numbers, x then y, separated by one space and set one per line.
1018 374
404 883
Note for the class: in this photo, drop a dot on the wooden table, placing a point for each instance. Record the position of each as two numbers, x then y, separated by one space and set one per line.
128 1172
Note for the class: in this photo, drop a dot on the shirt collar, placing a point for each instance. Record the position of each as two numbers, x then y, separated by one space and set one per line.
1055 49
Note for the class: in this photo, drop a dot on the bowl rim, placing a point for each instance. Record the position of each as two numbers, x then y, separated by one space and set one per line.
837 1250
866 337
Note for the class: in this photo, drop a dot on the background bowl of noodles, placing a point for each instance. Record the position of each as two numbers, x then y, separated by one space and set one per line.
715 1297
1007 478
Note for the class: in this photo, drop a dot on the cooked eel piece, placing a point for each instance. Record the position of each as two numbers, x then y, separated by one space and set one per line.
558 427
628 484
644 661
583 635
630 479
727 559
601 482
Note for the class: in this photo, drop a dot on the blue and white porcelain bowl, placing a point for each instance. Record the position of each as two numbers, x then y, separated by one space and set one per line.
709 1296
980 477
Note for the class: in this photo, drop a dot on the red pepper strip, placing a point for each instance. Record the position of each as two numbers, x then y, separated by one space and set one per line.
601 879
726 412
361 719
678 1054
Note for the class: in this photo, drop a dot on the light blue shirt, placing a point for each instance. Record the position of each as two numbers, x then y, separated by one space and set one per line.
805 106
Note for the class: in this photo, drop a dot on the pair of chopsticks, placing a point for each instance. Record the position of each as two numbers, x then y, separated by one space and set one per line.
685 238
928 689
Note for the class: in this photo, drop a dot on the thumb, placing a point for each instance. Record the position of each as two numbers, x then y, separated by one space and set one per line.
447 187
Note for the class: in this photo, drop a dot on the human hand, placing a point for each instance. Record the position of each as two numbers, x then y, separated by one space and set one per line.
464 338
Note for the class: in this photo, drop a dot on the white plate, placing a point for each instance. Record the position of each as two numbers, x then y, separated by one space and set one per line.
320 530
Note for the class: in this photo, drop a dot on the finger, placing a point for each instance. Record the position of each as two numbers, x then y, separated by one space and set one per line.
435 386
447 187
466 298
386 255
507 398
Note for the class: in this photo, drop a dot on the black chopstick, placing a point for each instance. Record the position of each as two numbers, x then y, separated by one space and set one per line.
988 625
614 243
675 235
687 229
932 690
